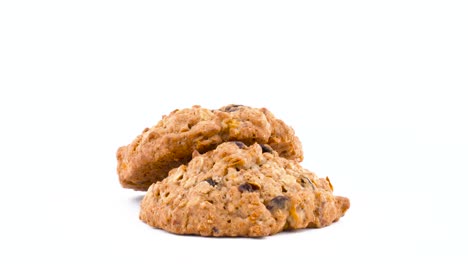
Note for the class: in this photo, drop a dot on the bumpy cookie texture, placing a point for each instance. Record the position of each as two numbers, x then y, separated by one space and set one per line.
170 143
240 190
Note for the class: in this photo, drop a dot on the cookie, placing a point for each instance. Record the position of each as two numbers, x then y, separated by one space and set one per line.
240 190
170 142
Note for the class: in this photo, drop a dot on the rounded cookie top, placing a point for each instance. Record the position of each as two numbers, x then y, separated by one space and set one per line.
240 190
172 140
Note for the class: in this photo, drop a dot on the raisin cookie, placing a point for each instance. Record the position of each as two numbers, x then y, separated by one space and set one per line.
170 143
239 190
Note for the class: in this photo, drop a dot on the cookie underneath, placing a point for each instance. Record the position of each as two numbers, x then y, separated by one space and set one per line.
239 190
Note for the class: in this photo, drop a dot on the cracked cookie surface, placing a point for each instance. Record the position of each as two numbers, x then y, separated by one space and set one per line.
240 190
172 140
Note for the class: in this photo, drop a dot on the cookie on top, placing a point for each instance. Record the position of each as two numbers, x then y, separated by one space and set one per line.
171 142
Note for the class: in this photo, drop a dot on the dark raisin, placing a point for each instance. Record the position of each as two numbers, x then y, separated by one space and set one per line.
279 202
266 148
215 229
283 189
211 182
240 144
231 108
248 187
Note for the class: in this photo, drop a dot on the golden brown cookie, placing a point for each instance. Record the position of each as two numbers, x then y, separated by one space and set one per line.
170 143
239 190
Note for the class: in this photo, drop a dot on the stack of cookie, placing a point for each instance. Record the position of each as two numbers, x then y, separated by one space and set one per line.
228 172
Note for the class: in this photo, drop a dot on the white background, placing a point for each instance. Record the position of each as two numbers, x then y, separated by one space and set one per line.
376 91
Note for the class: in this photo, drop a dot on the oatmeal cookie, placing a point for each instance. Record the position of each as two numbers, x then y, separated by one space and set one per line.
171 142
240 190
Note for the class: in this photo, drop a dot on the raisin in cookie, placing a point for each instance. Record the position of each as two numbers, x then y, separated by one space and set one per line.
239 190
171 142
